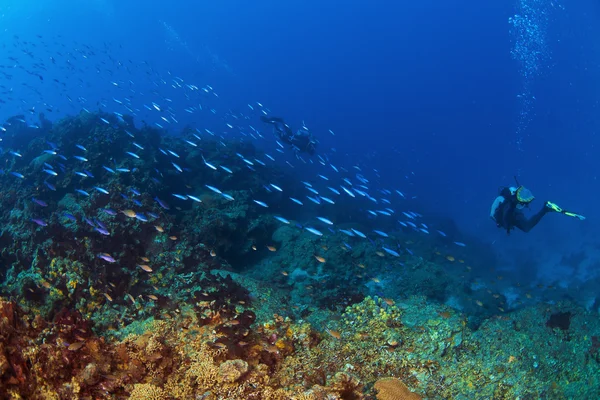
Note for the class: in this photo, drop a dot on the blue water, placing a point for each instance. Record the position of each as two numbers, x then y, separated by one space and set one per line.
426 93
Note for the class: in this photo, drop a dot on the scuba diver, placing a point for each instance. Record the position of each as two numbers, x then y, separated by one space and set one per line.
302 141
507 209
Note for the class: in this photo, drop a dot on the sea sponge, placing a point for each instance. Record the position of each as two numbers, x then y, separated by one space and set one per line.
232 370
394 389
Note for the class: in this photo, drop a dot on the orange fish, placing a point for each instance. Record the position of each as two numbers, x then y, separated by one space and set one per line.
334 334
173 237
75 346
129 213
271 248
145 268
320 259
107 296
213 253
152 297
159 228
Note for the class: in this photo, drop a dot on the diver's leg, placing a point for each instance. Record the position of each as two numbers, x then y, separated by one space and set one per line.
525 224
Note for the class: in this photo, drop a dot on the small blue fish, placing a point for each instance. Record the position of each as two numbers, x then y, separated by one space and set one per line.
227 196
359 233
101 190
314 200
40 222
109 211
141 217
214 189
83 159
100 223
177 167
50 172
81 174
88 173
39 202
180 196
281 219
327 200
69 216
296 201
80 147
112 171
161 203
276 187
461 244
390 251
325 220
18 175
132 154
50 186
82 192
261 203
314 231
107 257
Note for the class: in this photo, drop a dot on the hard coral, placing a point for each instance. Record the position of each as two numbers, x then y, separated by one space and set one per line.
394 389
232 370
146 391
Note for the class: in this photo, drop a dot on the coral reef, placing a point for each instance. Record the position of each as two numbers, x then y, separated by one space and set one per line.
128 291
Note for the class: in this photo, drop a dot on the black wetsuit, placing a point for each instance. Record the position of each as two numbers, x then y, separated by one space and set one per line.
302 142
508 216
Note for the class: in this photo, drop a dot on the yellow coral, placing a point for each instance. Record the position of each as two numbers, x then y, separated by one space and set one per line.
232 370
394 389
146 391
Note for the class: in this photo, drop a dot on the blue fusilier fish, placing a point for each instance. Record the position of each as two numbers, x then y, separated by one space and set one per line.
261 203
314 231
391 252
281 219
161 203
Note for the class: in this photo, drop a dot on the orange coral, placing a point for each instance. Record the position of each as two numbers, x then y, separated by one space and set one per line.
394 389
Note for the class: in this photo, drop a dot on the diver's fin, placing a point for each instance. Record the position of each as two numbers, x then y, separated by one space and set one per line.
553 207
556 208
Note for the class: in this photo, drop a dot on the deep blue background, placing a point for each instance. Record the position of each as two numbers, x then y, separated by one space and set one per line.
426 88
